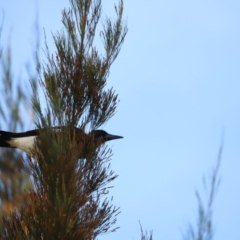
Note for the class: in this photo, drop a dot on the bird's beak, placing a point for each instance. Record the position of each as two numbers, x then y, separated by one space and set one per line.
112 137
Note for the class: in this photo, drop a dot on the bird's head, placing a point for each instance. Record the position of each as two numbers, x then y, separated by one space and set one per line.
104 136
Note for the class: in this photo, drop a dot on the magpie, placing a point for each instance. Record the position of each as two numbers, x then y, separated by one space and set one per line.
25 140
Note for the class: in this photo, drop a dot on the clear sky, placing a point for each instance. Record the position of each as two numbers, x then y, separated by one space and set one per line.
178 80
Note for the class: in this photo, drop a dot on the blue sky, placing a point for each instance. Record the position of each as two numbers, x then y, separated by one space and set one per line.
177 77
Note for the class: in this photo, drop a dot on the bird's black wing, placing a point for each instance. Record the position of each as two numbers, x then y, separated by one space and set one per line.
8 135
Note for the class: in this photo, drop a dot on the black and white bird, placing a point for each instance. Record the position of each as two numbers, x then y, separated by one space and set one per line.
26 140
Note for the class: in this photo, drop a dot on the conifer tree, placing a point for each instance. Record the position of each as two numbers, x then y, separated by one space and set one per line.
69 198
13 180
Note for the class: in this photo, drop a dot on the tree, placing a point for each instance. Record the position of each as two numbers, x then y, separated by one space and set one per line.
13 180
69 198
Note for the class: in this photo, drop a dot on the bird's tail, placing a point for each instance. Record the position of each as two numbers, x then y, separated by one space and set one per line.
4 138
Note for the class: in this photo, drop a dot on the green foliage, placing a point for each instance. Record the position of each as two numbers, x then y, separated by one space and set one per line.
69 198
13 180
75 79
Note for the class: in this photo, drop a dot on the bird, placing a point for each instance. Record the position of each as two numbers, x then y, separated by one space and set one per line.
25 141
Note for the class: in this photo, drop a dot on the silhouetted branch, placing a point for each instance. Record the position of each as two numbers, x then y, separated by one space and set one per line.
204 228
